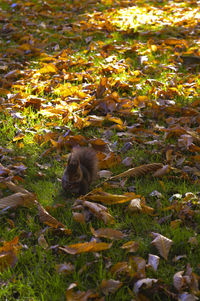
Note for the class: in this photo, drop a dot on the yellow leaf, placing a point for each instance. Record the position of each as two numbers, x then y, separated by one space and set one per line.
92 246
48 68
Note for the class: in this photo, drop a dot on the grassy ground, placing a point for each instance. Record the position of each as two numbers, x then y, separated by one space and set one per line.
68 68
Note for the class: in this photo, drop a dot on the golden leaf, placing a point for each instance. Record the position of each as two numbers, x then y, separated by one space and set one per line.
98 195
92 246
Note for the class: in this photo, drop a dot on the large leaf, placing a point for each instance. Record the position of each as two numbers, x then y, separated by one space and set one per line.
139 171
85 247
163 244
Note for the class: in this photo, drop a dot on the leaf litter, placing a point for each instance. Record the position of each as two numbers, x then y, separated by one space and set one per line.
86 85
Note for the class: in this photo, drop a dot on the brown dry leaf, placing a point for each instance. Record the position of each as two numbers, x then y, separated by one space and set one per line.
131 246
148 282
49 220
162 171
98 195
110 286
119 267
92 246
99 211
153 261
65 268
139 171
163 244
16 188
138 265
79 217
8 253
18 199
108 233
108 160
147 209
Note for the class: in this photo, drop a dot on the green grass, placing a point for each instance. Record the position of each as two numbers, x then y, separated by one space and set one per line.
34 276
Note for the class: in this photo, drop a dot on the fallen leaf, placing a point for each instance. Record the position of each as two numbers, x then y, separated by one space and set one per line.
92 246
99 211
108 233
98 195
139 171
153 261
18 199
8 253
163 244
131 246
110 286
148 282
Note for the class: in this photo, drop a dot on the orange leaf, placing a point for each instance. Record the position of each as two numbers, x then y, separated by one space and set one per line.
92 246
98 195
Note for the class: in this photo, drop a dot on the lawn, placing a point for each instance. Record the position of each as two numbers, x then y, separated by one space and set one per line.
121 77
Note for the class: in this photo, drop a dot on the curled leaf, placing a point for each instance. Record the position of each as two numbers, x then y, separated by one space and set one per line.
99 211
147 282
153 261
178 280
